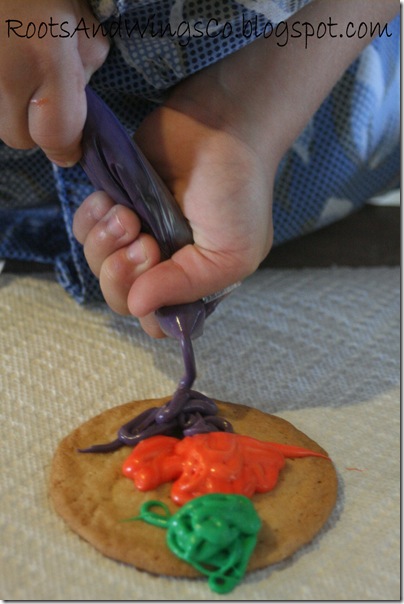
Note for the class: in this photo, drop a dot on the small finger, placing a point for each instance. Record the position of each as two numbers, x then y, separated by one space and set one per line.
118 228
91 211
151 326
121 269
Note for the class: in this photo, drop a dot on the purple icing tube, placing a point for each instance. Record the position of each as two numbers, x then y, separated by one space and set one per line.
115 164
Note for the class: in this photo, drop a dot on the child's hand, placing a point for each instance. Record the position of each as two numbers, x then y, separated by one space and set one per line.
42 79
217 143
224 190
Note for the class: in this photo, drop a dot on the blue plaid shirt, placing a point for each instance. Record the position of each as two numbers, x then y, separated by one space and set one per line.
348 152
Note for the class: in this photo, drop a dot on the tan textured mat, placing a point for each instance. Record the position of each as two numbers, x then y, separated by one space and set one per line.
318 347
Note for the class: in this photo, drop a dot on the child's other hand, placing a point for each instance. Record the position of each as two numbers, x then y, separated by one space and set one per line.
42 79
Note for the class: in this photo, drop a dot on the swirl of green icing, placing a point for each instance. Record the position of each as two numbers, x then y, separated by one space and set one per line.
215 533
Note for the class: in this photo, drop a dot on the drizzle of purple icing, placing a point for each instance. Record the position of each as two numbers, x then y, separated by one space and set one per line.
188 412
114 163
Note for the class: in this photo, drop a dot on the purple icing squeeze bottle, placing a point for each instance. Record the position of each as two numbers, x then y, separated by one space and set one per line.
115 164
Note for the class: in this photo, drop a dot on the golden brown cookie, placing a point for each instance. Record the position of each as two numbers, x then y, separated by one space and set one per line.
90 492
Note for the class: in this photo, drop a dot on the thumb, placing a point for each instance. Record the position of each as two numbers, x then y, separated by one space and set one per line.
190 274
56 116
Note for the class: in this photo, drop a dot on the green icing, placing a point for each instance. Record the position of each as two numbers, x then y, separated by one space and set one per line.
215 533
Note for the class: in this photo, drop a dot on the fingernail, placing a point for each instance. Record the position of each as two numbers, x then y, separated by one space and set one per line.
136 252
114 227
64 164
99 206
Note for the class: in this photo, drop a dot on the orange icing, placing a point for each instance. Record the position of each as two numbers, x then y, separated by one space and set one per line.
214 462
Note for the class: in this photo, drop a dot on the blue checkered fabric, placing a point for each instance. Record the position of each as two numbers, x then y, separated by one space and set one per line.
348 152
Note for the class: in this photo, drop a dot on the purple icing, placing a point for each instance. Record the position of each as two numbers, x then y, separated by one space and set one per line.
115 164
187 413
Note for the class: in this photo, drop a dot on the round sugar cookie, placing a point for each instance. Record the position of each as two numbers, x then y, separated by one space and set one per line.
92 495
